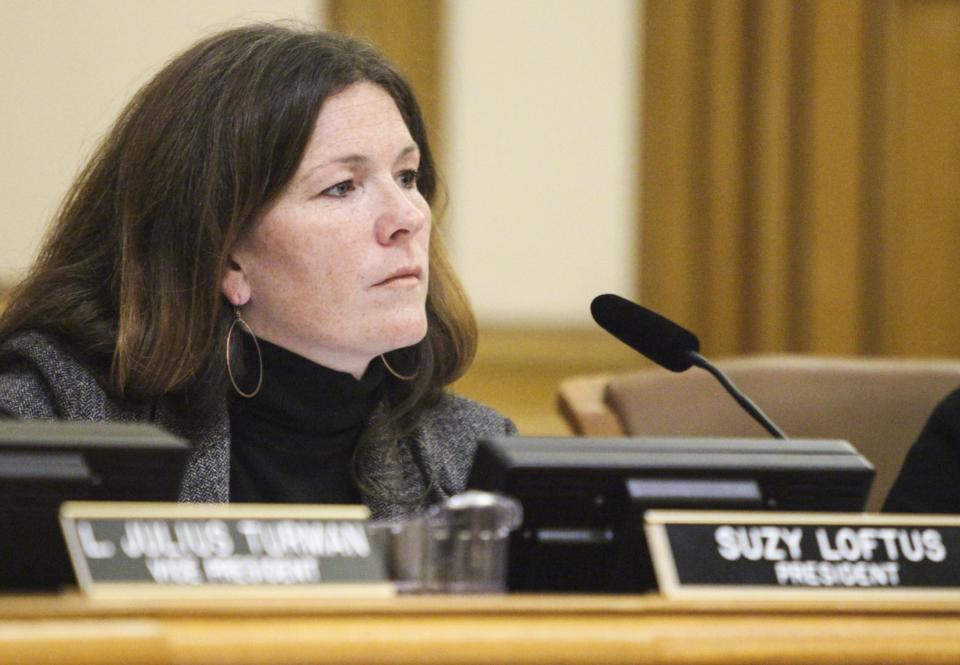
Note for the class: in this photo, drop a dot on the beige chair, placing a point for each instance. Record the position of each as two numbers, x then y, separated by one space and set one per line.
877 404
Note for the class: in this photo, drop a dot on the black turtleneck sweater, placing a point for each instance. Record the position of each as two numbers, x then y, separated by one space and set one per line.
293 441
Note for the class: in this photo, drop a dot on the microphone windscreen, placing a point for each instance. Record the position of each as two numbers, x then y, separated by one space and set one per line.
658 338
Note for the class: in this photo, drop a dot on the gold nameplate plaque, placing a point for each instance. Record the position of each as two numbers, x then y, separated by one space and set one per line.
177 549
803 555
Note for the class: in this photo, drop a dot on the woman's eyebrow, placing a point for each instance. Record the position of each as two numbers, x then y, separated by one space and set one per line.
413 147
355 159
345 159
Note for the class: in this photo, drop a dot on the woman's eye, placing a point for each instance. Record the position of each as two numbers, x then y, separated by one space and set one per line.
409 178
340 190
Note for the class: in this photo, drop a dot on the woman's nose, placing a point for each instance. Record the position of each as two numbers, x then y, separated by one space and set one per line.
399 216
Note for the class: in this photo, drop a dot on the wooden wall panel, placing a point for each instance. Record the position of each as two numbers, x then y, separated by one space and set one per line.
879 187
923 260
767 305
668 277
833 223
835 227
722 222
410 33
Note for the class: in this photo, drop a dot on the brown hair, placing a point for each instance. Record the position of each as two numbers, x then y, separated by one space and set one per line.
129 275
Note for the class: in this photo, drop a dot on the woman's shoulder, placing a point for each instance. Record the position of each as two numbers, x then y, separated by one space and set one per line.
458 417
40 379
447 437
42 353
35 347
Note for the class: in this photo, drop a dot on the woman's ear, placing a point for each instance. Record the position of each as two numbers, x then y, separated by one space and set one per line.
234 286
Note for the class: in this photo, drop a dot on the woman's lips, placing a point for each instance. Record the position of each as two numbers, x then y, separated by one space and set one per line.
408 276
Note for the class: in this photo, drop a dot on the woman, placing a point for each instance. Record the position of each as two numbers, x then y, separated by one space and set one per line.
247 261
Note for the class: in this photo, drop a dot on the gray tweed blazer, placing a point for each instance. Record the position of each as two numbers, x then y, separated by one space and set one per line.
38 379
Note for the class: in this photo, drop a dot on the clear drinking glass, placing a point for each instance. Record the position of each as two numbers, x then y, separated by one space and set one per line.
459 546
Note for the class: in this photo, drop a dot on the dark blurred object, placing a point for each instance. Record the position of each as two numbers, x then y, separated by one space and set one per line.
44 463
584 499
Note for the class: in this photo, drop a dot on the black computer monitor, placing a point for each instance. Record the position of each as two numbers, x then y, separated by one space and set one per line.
44 463
584 498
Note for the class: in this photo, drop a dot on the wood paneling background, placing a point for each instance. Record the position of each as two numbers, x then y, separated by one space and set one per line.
923 167
800 179
801 174
410 33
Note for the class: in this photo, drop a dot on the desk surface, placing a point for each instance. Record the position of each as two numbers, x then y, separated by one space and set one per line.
491 629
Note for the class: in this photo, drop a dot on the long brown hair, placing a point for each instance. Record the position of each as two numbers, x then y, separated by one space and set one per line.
128 278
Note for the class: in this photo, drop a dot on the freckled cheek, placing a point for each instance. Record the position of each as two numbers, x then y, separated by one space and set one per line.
274 245
331 271
287 265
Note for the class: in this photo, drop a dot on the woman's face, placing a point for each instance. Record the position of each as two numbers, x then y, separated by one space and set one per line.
336 269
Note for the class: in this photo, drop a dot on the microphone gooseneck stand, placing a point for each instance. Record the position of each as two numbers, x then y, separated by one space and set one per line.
742 400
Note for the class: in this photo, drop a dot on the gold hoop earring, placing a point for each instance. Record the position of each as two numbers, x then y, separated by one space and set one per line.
239 320
402 377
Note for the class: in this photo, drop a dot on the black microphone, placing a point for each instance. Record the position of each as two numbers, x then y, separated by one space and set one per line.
667 344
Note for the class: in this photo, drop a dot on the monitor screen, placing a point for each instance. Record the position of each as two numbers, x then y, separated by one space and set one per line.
44 463
584 498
